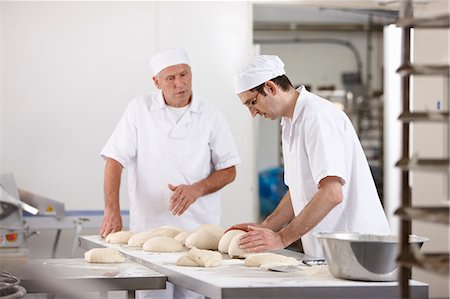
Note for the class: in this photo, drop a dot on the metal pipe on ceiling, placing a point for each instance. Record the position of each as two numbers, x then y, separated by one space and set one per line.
336 41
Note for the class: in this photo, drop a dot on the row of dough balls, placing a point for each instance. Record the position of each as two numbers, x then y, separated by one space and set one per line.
208 258
202 243
229 244
170 238
195 258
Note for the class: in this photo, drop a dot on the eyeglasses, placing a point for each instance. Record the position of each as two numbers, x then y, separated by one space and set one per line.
252 102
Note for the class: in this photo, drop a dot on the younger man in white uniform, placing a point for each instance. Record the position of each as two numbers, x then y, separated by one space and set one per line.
178 152
330 184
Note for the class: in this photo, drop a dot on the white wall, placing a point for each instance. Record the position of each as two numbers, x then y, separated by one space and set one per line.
70 68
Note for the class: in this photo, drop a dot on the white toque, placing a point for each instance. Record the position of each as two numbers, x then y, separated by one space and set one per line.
260 69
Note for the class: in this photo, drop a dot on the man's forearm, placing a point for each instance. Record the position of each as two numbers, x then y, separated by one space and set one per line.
282 215
216 181
112 221
113 172
314 212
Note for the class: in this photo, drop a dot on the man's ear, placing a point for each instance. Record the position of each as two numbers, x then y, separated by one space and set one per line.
156 81
271 87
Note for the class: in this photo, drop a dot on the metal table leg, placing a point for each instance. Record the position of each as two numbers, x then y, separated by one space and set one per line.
78 227
55 244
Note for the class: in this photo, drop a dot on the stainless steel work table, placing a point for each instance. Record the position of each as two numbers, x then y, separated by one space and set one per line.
71 277
232 279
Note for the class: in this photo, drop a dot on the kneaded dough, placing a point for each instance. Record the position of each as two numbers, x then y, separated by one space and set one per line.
165 232
138 239
181 237
202 240
120 237
103 255
162 244
224 242
258 259
175 228
211 228
234 250
205 258
186 261
267 266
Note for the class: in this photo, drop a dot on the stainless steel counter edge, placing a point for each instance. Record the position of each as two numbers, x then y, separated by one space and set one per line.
70 276
389 290
94 284
193 284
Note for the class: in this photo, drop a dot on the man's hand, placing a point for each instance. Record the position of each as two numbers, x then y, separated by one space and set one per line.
260 239
183 196
112 222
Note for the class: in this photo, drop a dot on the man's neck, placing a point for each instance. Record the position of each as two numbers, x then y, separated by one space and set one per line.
178 104
292 96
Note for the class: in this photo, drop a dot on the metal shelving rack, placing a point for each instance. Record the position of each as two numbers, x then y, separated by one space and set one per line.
435 262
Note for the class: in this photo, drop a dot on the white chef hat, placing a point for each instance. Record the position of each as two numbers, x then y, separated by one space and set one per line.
168 57
260 69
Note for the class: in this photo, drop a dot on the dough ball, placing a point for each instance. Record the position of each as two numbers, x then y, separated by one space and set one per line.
181 237
175 228
212 229
224 242
202 240
186 261
165 232
258 259
205 258
162 244
234 250
267 266
138 239
103 255
121 237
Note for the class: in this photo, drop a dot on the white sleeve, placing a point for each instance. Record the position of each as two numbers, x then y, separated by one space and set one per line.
122 145
224 152
285 177
325 146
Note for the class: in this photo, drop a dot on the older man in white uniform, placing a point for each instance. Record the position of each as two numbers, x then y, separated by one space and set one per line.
330 184
178 152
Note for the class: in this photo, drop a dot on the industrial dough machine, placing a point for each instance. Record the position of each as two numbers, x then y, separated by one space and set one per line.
59 276
14 205
13 230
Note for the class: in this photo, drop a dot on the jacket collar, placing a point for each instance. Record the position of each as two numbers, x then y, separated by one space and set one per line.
159 103
300 102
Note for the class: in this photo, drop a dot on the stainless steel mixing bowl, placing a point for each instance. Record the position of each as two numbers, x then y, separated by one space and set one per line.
367 257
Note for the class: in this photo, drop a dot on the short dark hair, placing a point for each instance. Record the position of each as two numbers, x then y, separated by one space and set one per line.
282 81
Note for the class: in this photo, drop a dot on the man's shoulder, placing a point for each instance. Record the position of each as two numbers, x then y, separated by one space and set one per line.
148 97
146 100
319 106
320 110
205 105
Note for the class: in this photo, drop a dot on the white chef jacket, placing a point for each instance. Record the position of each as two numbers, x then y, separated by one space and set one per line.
320 141
156 150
